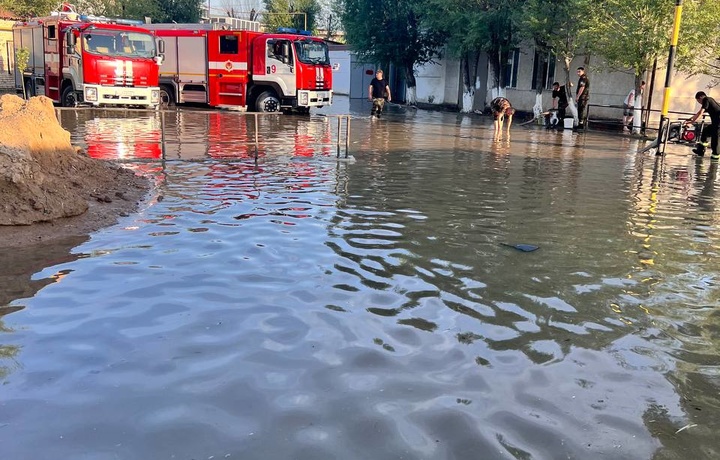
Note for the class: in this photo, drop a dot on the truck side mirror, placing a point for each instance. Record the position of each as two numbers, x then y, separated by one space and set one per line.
70 42
286 53
161 47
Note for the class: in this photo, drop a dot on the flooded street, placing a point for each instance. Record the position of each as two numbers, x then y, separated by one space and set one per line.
286 305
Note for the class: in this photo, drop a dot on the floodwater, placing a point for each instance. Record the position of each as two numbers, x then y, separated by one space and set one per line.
282 304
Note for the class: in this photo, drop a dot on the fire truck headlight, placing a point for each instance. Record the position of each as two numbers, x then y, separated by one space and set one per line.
155 96
91 94
304 98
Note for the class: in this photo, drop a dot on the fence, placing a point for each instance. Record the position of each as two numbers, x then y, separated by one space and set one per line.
646 127
142 135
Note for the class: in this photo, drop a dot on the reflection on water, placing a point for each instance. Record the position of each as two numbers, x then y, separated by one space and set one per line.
300 307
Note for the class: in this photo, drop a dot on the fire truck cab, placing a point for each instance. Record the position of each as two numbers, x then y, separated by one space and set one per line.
257 71
98 61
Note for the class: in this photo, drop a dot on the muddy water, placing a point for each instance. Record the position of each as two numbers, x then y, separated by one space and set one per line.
291 306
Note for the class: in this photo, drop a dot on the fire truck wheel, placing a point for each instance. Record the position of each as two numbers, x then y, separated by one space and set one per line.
166 97
69 97
267 102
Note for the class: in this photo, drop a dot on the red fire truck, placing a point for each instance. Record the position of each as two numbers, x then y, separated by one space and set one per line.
265 72
85 59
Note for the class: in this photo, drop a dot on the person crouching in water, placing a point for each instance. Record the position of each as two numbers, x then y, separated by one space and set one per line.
501 108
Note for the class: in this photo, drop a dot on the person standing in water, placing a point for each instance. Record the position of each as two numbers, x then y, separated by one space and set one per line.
582 96
377 91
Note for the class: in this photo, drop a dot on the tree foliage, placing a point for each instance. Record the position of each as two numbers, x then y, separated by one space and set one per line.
471 28
699 42
162 11
559 26
391 31
290 13
632 33
29 8
330 17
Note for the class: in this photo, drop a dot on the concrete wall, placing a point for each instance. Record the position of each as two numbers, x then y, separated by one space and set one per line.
439 83
7 79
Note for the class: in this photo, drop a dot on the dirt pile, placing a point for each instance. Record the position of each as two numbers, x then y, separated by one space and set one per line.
44 178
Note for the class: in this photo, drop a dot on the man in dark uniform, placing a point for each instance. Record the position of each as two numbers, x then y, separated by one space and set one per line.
709 105
582 96
377 91
559 101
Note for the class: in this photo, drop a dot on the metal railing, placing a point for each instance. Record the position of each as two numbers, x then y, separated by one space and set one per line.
341 134
645 127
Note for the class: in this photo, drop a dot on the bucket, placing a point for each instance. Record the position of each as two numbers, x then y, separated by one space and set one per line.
569 123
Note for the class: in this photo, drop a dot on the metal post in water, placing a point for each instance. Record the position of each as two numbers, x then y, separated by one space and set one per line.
664 122
162 134
339 126
256 138
347 136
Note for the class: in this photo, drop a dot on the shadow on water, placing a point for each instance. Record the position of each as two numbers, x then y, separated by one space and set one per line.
17 269
258 303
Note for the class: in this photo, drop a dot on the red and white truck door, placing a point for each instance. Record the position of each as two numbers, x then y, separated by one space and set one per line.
53 68
227 67
280 65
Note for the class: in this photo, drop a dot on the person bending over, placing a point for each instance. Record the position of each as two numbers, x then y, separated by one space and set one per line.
501 108
709 105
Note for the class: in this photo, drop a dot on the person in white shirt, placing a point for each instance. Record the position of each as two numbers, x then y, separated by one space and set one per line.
629 107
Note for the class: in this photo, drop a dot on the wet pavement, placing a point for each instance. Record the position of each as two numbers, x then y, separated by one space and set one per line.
271 302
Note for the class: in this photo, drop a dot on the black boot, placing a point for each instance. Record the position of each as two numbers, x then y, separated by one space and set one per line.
699 149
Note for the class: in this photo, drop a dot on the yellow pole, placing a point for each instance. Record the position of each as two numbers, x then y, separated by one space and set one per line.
662 139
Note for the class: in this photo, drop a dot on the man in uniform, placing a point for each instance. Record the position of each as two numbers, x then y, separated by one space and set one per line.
582 96
709 105
377 91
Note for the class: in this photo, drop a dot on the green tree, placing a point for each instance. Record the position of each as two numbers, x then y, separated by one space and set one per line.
699 41
561 27
22 57
632 33
330 17
29 8
290 13
163 11
180 11
392 31
471 28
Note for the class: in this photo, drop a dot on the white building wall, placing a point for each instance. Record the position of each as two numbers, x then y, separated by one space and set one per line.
453 82
441 83
430 82
7 69
340 62
606 87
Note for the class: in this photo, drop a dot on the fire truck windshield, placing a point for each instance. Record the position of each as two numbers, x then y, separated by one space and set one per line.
119 43
312 52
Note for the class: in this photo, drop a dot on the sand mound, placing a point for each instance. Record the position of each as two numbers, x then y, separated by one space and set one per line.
42 176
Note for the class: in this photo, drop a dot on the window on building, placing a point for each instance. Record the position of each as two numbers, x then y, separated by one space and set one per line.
228 44
510 69
543 71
